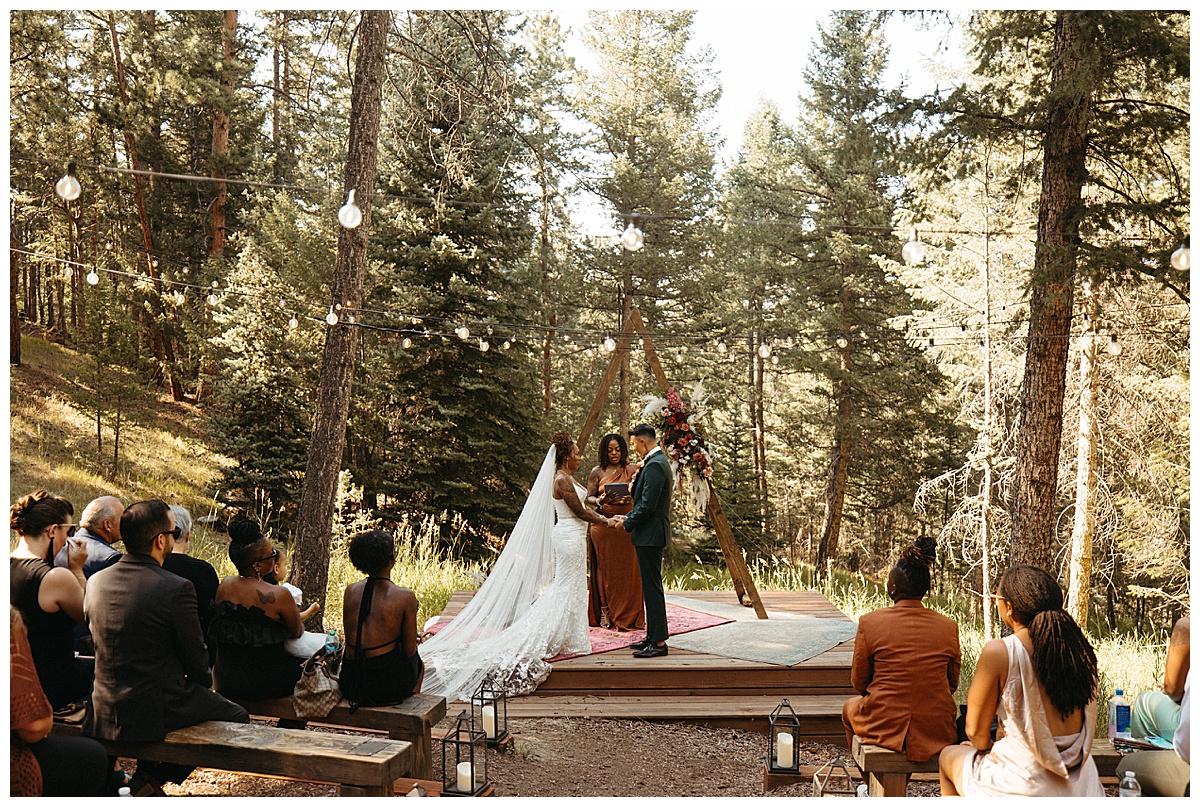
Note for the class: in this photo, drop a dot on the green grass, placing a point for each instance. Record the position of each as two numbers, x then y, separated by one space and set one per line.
166 454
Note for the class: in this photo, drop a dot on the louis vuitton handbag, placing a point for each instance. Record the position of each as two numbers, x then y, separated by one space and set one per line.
317 691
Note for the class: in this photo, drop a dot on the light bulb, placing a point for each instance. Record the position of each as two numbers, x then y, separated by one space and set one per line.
609 344
179 298
211 299
92 278
632 239
842 342
875 356
406 343
1181 258
464 333
914 251
349 216
764 350
721 346
68 188
679 356
484 345
775 359
507 344
1114 347
331 317
293 323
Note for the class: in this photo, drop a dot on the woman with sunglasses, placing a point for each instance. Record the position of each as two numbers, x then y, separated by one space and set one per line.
252 619
50 599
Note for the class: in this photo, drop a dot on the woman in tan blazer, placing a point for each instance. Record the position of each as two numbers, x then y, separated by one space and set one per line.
906 664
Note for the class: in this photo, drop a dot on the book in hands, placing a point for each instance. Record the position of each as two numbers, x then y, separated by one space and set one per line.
616 490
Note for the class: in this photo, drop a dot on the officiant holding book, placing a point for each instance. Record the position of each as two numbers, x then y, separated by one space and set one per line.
615 587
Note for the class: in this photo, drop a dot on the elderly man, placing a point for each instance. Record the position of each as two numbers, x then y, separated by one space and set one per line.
100 528
152 673
201 573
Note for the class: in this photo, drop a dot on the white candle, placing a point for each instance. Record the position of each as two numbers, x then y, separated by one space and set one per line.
489 722
465 782
783 750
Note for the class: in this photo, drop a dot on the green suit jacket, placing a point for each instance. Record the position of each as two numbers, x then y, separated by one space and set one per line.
650 519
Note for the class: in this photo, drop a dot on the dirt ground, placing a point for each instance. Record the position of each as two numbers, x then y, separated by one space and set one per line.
585 757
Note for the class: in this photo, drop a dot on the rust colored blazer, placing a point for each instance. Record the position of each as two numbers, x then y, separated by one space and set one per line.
906 665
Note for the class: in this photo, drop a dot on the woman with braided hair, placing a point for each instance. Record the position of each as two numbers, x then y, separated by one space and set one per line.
906 664
1041 684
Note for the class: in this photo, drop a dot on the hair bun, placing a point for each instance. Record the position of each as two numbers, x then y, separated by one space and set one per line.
561 439
243 531
922 553
18 513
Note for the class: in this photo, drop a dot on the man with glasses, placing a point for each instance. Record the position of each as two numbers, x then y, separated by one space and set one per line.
152 674
99 529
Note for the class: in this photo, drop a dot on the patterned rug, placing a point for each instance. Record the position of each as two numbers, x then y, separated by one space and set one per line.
679 620
784 641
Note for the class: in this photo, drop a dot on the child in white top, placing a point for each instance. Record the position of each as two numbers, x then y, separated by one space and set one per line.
308 642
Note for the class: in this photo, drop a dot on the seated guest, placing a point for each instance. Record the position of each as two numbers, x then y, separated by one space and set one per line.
251 621
906 664
151 663
309 641
1156 713
1041 683
100 528
200 573
50 600
380 664
41 765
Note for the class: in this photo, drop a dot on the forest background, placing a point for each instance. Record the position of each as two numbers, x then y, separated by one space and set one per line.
854 399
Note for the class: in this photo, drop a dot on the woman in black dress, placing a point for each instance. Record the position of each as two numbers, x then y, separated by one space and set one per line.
251 621
381 664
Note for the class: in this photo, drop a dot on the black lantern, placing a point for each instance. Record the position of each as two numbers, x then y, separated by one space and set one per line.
489 711
783 740
464 759
833 779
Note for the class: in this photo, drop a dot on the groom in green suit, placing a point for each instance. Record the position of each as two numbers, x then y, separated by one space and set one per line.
650 523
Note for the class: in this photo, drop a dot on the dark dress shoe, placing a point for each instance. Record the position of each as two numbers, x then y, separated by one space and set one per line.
640 645
651 651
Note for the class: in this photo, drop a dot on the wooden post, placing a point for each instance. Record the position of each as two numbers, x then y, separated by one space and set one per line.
743 584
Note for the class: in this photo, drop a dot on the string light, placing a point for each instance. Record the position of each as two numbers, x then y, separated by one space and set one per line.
68 188
764 350
632 239
507 344
484 345
1114 347
92 278
722 348
875 356
914 251
775 358
1181 258
179 298
331 317
843 342
609 344
349 215
293 323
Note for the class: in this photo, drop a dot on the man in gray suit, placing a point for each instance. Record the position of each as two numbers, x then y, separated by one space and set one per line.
650 525
151 663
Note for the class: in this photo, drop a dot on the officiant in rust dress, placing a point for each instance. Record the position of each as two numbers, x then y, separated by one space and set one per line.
615 587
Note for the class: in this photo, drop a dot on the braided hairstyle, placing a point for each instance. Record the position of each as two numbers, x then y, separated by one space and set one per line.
562 448
244 536
909 578
32 514
1063 659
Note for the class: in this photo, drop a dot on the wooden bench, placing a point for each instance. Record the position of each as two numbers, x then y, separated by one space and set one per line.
887 771
360 766
411 721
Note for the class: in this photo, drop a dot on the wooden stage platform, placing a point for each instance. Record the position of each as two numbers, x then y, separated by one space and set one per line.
699 687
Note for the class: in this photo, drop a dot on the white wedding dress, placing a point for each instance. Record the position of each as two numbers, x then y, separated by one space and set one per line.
533 605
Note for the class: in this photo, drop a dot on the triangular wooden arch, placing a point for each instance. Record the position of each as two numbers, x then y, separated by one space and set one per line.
747 594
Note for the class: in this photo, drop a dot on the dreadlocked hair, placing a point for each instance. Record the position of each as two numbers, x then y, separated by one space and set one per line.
1063 659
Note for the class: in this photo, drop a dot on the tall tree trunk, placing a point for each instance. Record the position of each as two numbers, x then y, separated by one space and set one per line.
220 136
1079 577
543 258
314 519
757 367
14 319
1051 290
276 89
159 342
626 383
839 463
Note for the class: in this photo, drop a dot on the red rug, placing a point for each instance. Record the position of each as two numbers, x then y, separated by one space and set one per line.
679 620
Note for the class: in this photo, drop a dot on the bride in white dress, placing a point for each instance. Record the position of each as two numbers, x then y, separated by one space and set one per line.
533 605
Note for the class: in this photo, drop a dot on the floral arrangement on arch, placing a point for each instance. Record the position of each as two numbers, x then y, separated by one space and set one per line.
681 425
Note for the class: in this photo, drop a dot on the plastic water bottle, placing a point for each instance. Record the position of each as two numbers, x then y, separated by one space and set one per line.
331 642
124 791
861 792
1129 785
1118 717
